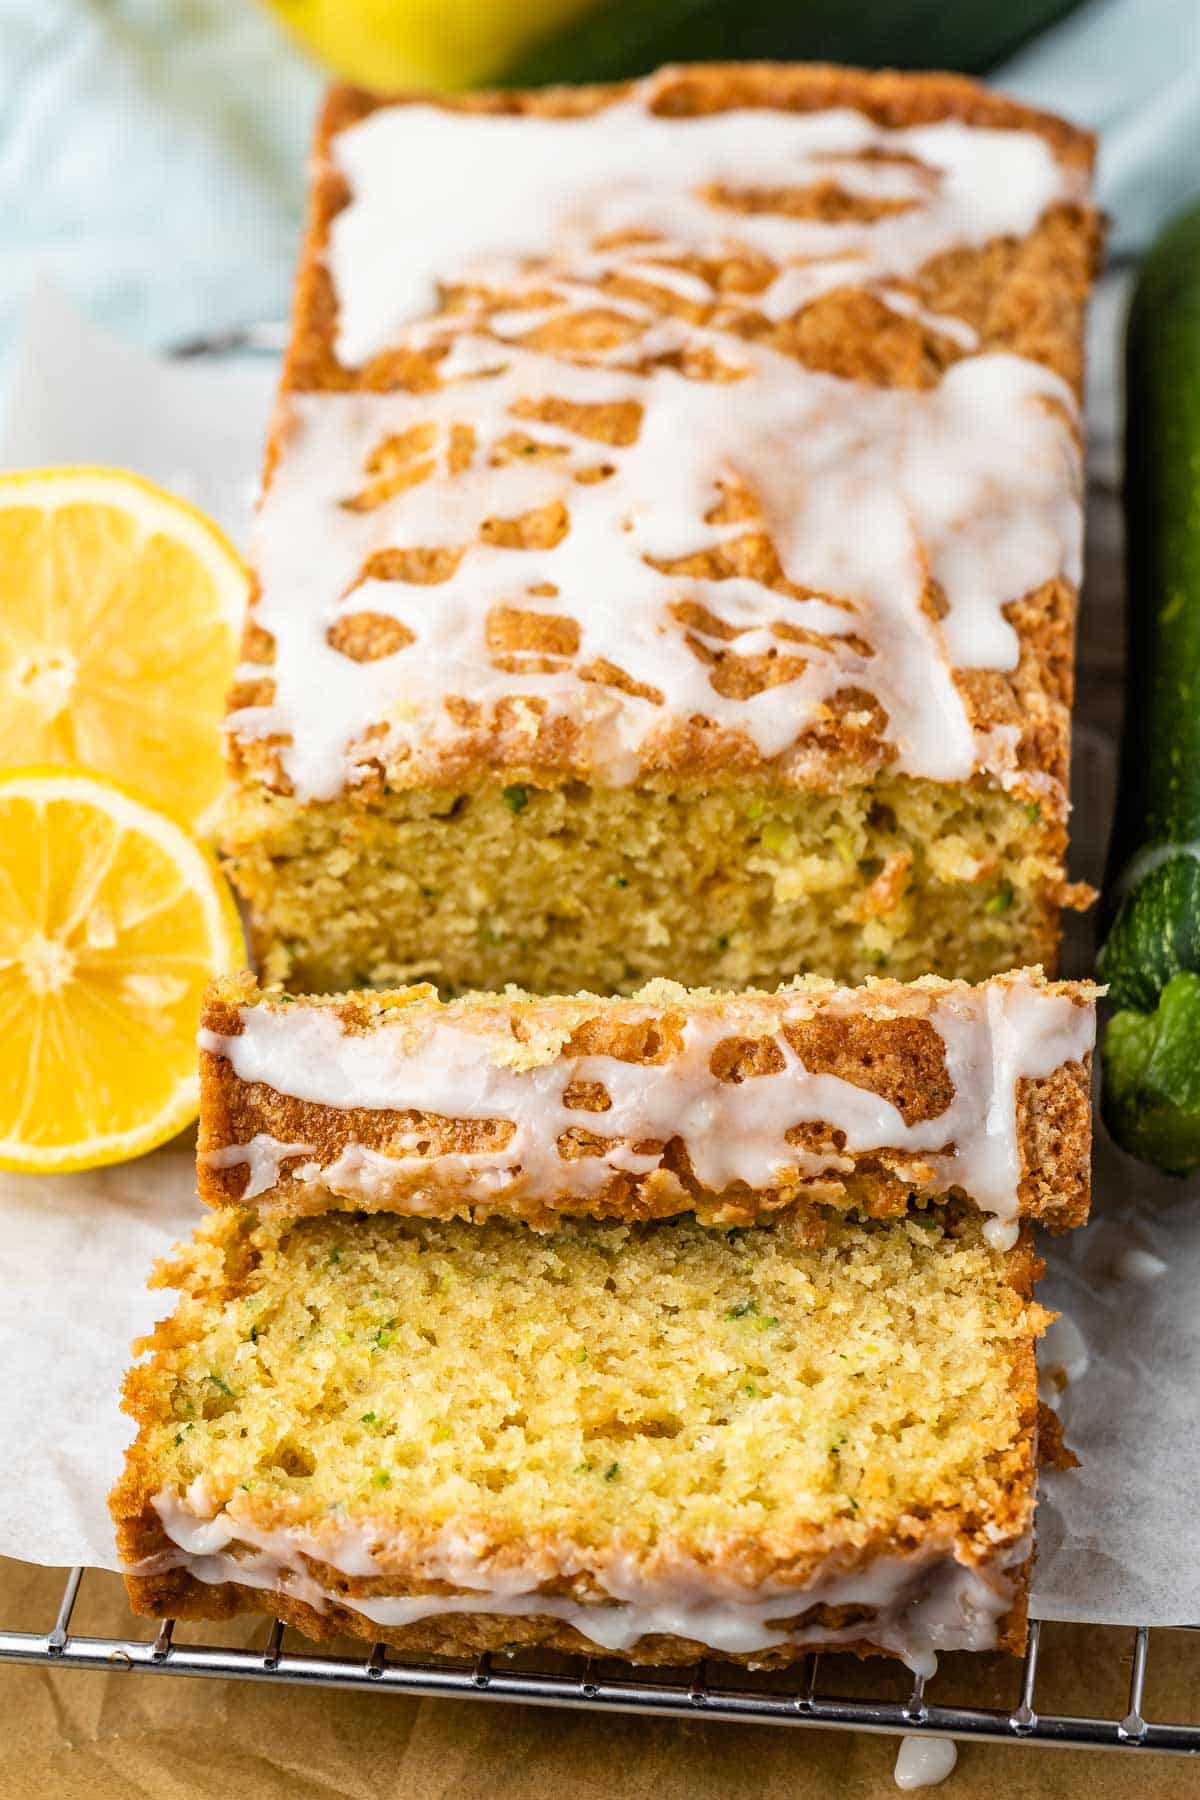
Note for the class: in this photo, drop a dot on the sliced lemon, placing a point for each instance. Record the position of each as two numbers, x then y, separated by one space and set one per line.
112 920
120 613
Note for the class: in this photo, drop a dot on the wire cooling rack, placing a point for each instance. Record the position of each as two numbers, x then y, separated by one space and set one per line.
587 1686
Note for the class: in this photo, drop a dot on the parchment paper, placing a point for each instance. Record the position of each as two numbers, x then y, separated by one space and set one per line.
1119 1538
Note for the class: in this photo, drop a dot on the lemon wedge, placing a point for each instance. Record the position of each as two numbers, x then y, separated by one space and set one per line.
112 920
120 613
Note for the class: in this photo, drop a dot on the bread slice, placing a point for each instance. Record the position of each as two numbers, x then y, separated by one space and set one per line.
655 1440
732 1107
668 557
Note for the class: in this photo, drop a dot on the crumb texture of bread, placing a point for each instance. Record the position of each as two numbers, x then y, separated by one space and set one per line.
606 888
382 1424
731 1107
668 557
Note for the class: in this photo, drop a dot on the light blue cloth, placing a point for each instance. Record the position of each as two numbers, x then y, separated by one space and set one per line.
152 151
151 161
1129 69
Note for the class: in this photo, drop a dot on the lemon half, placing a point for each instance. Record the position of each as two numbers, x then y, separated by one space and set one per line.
120 613
112 921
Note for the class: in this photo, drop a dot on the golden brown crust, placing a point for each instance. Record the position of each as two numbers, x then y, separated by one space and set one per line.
1025 295
1009 293
887 1044
178 1595
1054 1122
1053 1450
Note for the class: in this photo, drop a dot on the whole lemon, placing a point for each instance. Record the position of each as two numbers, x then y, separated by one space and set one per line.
391 44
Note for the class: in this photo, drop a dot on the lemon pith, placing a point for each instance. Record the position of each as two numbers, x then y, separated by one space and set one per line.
112 920
120 612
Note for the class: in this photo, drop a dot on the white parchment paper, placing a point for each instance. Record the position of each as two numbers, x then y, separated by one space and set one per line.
195 426
1119 1538
74 1254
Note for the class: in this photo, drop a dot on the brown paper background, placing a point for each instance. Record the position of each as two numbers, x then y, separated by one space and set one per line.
122 1736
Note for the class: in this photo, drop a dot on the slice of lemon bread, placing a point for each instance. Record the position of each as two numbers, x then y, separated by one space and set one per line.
728 1106
656 1440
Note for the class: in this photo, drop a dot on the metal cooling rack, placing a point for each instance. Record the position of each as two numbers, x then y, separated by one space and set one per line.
588 1687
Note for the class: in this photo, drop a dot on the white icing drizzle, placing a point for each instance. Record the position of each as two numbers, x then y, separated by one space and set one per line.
491 186
264 1154
457 1063
931 1599
1063 1358
924 1761
1001 1234
956 329
866 493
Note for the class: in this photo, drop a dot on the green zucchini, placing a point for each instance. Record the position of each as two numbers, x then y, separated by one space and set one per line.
620 38
1150 952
